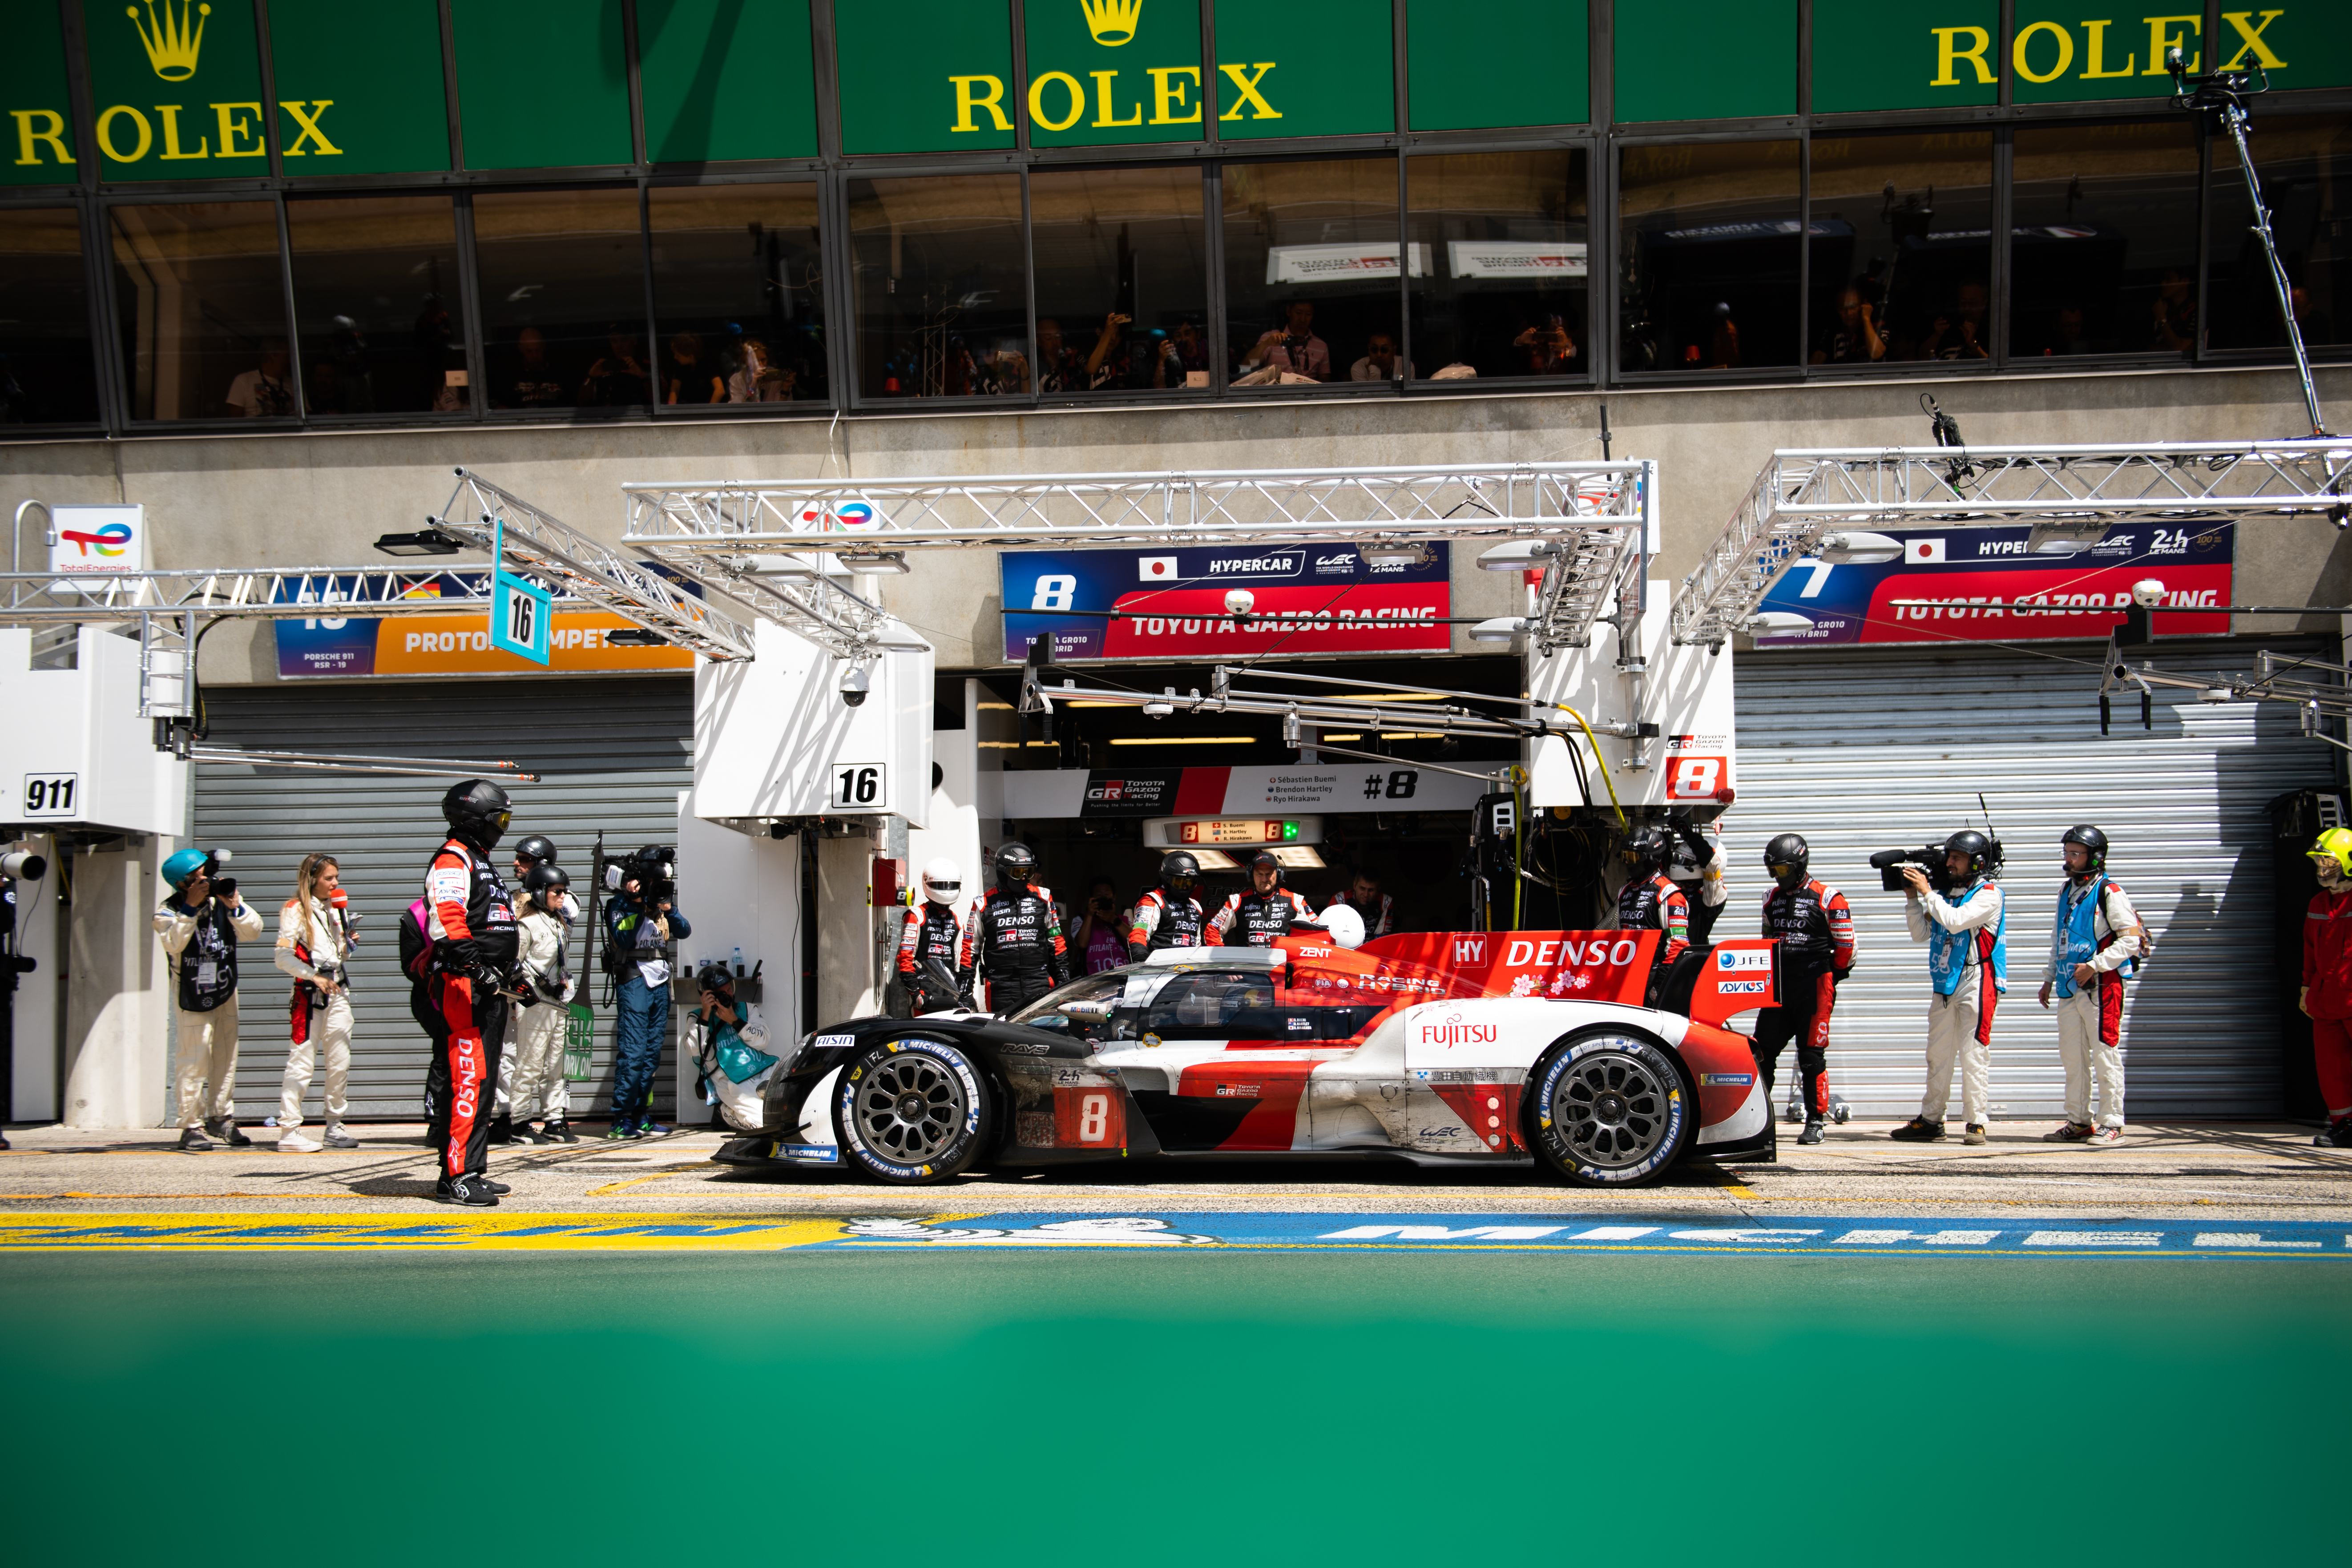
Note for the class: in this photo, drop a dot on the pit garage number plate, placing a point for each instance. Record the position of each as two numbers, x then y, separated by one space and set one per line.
858 787
51 795
1089 1118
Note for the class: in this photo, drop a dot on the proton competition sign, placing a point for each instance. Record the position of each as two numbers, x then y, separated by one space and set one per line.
1986 587
1142 605
460 643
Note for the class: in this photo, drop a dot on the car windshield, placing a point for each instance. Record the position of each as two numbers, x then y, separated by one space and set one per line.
1092 999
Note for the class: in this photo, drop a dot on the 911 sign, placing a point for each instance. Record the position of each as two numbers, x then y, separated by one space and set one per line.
51 795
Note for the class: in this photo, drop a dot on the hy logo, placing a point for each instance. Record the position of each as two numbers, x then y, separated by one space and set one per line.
171 43
1112 22
112 540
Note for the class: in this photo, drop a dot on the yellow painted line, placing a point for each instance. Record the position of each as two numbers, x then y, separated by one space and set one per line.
425 1230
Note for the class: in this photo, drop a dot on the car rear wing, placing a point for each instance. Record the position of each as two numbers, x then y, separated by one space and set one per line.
1724 980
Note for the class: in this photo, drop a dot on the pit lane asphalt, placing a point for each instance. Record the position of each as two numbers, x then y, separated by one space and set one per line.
2218 1171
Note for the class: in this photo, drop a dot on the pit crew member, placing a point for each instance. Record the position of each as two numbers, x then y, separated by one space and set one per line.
537 850
1169 915
1375 909
530 1069
1013 940
201 928
2095 942
1695 865
1967 966
2326 996
1650 902
470 921
1816 932
934 934
1264 915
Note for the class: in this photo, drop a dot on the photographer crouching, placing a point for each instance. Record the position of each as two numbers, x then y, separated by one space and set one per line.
642 928
730 1054
1967 935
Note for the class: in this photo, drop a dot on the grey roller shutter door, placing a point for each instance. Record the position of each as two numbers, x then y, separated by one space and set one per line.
1861 751
613 755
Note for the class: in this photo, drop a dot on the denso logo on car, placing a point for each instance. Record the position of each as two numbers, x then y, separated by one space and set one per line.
1744 958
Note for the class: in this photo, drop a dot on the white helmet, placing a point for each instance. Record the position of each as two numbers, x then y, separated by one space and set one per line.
943 881
1343 925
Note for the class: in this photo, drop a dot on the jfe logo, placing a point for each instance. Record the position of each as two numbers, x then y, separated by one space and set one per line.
1728 958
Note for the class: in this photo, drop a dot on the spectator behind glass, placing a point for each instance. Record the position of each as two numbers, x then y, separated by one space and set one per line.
258 393
758 380
1057 366
533 380
438 353
1853 338
1191 351
322 389
1722 341
2174 313
1548 348
1292 346
689 377
1380 361
619 379
1958 333
1099 940
2066 330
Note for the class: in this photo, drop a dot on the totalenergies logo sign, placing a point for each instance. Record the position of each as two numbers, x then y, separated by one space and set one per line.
90 539
1116 97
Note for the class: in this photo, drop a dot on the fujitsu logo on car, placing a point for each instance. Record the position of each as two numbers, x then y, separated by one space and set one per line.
1452 1030
1285 565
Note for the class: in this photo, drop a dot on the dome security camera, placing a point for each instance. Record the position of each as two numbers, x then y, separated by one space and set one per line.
2149 593
857 682
1239 601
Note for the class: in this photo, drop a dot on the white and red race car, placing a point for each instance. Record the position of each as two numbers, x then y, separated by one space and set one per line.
1458 1047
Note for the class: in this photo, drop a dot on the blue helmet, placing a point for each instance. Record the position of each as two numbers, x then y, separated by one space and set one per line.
183 865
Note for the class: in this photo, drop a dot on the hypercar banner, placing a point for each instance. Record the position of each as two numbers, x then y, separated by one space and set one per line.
1172 604
1986 587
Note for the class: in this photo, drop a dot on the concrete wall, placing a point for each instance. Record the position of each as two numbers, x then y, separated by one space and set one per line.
321 499
117 994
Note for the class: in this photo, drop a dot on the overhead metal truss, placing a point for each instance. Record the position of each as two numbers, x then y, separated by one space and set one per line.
2320 690
1803 498
1597 513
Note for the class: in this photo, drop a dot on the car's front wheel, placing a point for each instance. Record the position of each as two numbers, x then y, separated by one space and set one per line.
1610 1109
911 1112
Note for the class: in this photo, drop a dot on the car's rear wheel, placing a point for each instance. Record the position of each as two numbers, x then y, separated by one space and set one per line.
1610 1109
911 1112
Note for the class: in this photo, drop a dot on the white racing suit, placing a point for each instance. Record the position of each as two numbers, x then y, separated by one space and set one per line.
1968 962
532 1085
2096 925
326 1035
205 1067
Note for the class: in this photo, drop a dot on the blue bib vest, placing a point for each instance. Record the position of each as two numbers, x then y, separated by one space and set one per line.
2073 937
1952 954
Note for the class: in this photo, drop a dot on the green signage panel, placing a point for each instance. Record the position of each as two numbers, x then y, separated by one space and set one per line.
1706 59
1867 57
33 90
2308 43
359 89
1108 72
726 78
1304 67
541 84
924 75
176 85
1452 82
2057 56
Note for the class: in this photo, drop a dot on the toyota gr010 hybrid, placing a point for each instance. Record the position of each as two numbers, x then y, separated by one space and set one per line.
1461 1048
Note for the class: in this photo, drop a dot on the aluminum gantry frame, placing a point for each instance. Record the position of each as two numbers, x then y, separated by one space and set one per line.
1593 517
1803 497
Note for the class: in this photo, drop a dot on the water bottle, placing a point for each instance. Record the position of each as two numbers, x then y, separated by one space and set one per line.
739 963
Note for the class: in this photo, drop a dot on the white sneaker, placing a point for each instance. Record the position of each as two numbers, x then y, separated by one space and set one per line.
293 1143
340 1136
2104 1138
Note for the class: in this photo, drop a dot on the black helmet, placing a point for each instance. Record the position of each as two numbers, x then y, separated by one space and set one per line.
1266 857
1975 847
1645 844
478 813
1015 864
544 877
2093 842
537 850
1180 872
1788 858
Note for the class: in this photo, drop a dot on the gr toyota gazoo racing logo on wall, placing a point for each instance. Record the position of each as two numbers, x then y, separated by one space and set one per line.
1141 792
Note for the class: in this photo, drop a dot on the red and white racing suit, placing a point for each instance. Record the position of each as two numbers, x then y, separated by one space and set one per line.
933 932
1161 920
465 901
2328 995
1261 919
1654 904
2090 1017
1816 932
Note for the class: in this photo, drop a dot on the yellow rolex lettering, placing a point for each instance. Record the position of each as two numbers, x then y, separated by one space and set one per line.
1245 79
2161 37
1102 102
170 113
1948 54
1169 94
2253 39
2096 66
2025 36
52 131
234 125
311 132
971 95
106 134
1078 97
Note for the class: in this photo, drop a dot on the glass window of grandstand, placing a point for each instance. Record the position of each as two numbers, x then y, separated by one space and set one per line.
1901 242
46 374
1503 289
2302 160
201 310
2103 240
563 299
1310 267
1707 245
739 295
378 314
1122 279
942 302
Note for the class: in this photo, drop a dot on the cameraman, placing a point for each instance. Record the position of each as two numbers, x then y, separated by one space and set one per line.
642 928
201 924
2096 941
1967 964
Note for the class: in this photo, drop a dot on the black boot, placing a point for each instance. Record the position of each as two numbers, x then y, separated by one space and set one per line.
467 1192
225 1129
502 1129
558 1130
1812 1132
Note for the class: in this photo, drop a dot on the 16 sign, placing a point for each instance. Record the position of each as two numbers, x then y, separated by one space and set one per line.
858 787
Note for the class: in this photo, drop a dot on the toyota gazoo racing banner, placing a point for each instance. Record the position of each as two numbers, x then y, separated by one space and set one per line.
1985 587
1187 605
